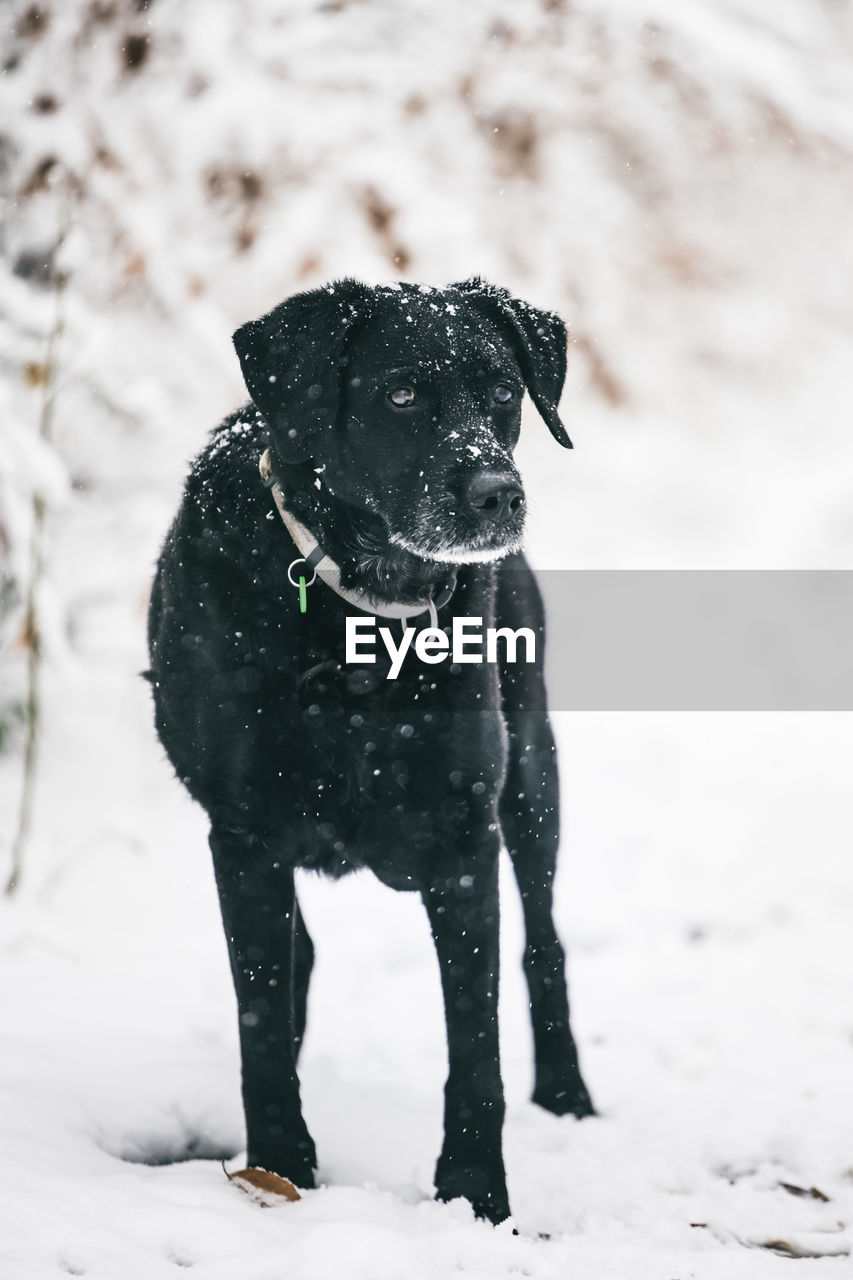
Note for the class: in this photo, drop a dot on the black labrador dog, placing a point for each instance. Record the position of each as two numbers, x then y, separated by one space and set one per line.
371 478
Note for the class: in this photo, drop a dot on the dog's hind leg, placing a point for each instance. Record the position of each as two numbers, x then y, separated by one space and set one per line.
529 813
259 912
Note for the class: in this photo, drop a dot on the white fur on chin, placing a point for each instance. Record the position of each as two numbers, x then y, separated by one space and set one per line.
453 553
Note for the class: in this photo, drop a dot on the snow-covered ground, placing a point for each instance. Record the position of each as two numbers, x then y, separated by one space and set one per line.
676 179
706 897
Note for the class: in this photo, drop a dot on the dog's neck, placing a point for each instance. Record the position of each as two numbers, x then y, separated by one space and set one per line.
357 540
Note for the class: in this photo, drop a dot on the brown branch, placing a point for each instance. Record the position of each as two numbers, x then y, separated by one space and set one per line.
32 626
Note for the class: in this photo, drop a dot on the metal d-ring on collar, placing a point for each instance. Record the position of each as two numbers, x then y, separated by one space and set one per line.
312 555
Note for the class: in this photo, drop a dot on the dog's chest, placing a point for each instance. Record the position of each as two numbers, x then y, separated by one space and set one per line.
368 766
377 737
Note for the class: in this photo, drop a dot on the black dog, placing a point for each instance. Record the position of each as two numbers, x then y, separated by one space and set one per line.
378 448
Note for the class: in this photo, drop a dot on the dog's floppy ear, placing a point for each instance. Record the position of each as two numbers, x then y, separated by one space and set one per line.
291 360
539 338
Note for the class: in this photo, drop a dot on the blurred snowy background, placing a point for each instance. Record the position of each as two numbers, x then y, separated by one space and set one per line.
677 180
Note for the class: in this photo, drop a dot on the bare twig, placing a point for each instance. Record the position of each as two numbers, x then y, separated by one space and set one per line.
32 628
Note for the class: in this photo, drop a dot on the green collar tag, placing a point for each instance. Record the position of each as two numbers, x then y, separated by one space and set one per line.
303 595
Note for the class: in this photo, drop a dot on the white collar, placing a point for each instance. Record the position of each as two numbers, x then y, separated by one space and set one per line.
329 571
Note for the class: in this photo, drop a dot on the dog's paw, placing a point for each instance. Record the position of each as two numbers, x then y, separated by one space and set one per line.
297 1167
565 1095
483 1188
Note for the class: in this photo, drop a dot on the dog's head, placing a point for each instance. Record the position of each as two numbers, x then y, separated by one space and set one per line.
408 401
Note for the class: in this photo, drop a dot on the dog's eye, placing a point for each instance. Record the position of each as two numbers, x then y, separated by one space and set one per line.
402 397
502 393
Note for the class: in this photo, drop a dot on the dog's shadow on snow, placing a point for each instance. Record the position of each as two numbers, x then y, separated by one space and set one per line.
176 1144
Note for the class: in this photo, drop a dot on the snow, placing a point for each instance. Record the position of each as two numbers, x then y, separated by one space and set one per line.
710 972
673 179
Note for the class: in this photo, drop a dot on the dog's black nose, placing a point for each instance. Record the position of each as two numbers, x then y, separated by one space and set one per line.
496 494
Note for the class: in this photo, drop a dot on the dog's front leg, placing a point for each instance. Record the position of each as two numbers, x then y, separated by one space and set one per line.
259 908
463 912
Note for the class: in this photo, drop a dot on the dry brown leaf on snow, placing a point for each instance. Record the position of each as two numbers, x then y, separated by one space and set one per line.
808 1244
810 1193
265 1188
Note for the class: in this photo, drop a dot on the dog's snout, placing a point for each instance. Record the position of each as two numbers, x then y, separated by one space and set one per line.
496 495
